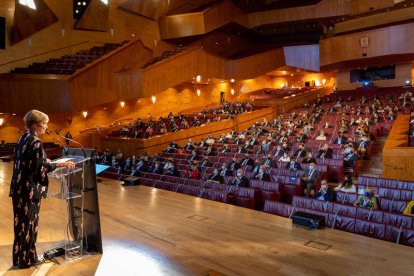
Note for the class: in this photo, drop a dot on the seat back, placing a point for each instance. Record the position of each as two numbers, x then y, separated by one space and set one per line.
370 215
370 229
398 220
344 210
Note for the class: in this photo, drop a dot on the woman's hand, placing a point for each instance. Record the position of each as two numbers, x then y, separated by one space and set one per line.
69 165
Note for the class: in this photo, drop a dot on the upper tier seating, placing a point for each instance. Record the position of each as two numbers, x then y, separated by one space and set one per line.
69 64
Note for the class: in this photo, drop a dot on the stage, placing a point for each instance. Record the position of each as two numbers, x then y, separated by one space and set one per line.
148 231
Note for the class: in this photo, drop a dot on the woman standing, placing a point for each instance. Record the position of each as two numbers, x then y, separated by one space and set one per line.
29 185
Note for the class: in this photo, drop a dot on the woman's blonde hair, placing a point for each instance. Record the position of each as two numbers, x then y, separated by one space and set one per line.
34 116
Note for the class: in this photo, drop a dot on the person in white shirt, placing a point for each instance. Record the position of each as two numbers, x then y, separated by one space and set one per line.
347 186
321 136
285 158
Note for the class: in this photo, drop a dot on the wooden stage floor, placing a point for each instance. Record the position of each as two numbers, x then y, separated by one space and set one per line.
154 232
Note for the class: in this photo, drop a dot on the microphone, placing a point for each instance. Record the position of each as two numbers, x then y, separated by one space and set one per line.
58 140
70 139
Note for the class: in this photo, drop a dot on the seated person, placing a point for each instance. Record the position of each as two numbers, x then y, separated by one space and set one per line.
156 168
347 186
350 159
139 168
309 178
193 173
409 210
368 200
321 136
190 145
170 169
224 149
324 193
193 157
363 145
234 165
285 158
240 180
293 165
225 171
209 151
301 151
268 162
340 140
181 150
241 149
325 152
247 161
172 147
259 150
279 151
262 174
216 177
256 166
205 162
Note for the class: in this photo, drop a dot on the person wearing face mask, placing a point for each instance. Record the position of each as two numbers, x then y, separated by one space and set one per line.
240 180
247 161
285 158
216 177
367 200
225 171
340 140
301 151
140 168
256 166
268 162
325 152
234 165
363 145
279 152
350 159
309 178
262 174
293 165
324 193
170 169
193 157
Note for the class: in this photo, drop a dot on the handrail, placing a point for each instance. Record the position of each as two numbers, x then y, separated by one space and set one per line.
47 52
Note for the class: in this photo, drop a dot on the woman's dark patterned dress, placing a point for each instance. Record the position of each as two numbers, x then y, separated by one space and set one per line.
28 186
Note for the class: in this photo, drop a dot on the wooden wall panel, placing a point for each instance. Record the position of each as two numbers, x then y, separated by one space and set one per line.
95 18
325 8
397 157
96 84
22 94
197 23
222 14
305 57
362 6
375 20
148 8
382 42
256 65
28 21
175 26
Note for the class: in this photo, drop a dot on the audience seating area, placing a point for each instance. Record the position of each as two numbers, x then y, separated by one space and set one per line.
282 194
69 64
149 127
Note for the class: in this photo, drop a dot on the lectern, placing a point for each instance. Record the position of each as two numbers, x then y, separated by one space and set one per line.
79 190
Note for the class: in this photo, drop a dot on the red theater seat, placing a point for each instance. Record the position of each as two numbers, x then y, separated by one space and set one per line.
370 215
346 198
215 195
344 210
189 190
303 202
398 220
343 223
370 229
166 186
322 206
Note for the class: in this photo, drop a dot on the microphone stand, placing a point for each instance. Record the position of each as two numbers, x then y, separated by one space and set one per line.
70 139
58 140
